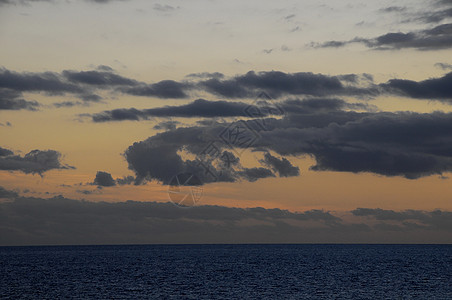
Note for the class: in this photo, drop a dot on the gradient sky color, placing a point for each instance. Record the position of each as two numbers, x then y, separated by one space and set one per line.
204 49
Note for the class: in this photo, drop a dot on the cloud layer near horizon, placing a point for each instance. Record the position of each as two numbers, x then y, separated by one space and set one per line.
36 221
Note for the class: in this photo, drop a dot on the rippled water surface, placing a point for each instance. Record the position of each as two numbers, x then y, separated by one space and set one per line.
227 272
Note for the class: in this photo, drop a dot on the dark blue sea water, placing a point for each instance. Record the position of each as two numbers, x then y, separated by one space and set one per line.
227 272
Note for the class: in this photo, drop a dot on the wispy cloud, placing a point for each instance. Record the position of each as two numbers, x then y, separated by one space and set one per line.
436 38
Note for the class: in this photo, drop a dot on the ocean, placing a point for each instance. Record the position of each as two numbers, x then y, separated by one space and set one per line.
227 272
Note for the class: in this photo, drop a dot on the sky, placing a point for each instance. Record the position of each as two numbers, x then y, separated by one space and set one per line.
225 121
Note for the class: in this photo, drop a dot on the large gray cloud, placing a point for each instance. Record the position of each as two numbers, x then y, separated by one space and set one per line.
35 221
411 145
392 144
36 161
158 157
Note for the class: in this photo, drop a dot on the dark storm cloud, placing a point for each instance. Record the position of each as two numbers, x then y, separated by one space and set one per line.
35 161
436 38
435 88
104 179
197 108
58 220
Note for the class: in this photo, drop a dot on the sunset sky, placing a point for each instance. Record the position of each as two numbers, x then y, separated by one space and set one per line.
345 107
